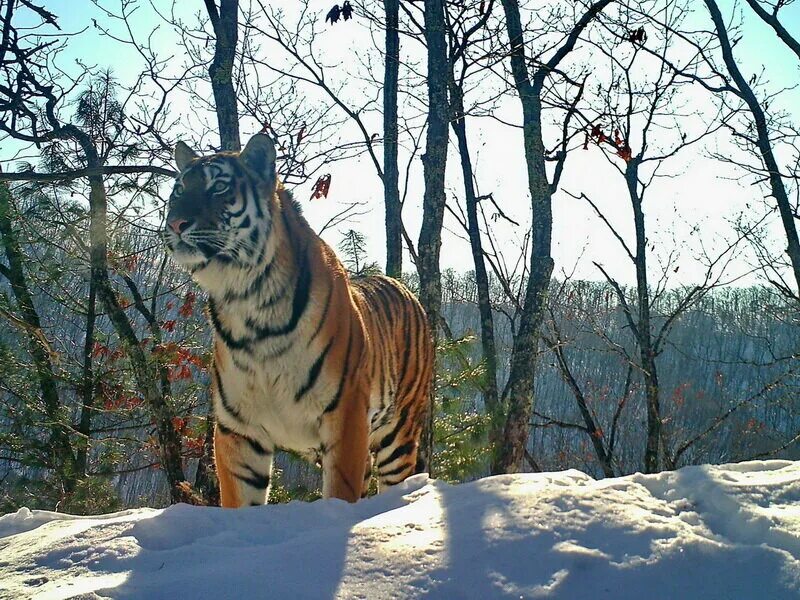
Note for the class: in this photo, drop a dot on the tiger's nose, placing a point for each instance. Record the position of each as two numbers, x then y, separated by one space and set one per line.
178 225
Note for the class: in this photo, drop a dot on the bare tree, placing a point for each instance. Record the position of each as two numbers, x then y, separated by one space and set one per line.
59 453
604 450
518 391
636 111
760 139
465 27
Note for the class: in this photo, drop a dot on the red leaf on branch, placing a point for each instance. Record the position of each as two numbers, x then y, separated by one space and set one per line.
130 262
321 187
99 349
194 445
195 360
187 308
132 401
179 373
596 133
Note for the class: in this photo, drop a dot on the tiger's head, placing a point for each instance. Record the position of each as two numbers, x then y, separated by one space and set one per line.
220 208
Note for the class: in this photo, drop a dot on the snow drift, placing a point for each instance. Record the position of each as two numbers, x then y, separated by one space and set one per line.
730 531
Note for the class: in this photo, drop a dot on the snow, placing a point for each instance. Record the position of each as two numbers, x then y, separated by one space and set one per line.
729 531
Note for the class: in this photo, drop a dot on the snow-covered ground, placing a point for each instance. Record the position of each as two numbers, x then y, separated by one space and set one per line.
730 531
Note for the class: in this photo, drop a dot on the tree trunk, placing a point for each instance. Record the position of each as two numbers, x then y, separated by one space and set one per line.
61 457
518 393
391 189
490 397
652 452
226 23
205 479
88 383
156 336
763 142
434 163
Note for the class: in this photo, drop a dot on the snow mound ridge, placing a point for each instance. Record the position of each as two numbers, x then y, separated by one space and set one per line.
729 531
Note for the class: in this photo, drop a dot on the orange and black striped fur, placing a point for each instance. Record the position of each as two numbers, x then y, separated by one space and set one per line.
304 358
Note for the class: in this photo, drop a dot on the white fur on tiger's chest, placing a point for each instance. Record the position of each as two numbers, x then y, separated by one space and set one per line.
265 394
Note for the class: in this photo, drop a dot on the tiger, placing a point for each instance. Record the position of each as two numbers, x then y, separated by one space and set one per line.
305 358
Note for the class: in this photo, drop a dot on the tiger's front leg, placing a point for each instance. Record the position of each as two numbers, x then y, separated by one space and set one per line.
244 466
344 434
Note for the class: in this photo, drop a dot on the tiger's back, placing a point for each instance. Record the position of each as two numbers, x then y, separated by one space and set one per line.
399 364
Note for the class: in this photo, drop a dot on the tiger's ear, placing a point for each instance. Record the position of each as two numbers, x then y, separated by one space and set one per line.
259 155
183 155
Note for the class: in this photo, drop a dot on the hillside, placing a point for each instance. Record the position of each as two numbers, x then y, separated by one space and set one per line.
730 531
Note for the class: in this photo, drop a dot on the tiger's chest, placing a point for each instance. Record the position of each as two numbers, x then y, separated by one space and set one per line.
283 360
263 394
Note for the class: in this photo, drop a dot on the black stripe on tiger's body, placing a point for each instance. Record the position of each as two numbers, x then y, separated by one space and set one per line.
304 358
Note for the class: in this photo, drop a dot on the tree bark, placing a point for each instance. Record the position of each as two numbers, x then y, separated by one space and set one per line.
490 396
61 456
762 141
88 383
518 392
652 452
205 479
391 177
434 163
225 22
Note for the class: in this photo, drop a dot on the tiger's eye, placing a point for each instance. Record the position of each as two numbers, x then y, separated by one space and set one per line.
219 187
